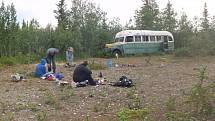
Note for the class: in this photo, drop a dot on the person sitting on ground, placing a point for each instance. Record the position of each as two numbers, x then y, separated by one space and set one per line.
40 68
83 74
51 52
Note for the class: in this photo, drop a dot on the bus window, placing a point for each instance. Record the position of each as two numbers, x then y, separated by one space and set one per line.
170 38
129 39
137 38
145 38
119 39
152 38
158 38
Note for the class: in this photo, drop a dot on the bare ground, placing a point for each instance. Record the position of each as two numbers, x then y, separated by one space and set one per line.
156 79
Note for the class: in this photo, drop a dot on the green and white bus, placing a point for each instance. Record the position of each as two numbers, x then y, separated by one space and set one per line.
141 41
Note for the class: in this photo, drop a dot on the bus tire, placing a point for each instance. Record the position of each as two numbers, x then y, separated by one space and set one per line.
116 52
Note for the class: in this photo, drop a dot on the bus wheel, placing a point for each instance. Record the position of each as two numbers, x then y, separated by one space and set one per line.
117 53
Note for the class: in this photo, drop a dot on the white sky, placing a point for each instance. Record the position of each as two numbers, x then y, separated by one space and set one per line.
42 10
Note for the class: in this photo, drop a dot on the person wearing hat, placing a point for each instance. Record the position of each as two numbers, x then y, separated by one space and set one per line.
83 74
50 54
69 56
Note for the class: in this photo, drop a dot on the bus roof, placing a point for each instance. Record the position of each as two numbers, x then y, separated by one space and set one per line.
142 32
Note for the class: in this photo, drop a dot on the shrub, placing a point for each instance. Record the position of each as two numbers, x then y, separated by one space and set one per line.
18 59
182 52
173 115
201 97
9 61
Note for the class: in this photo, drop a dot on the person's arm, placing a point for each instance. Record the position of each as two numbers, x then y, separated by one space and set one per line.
44 69
87 70
67 53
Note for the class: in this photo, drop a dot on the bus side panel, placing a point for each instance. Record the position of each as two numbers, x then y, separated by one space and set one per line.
148 47
129 48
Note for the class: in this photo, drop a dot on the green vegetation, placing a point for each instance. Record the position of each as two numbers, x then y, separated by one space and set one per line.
41 116
52 100
198 102
132 114
66 93
27 41
96 66
182 52
197 105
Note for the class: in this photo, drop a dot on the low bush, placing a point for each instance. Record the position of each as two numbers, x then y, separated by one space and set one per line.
42 116
182 52
18 59
8 61
131 114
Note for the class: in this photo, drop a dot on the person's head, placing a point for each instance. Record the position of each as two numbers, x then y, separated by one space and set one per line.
57 51
70 49
43 61
85 63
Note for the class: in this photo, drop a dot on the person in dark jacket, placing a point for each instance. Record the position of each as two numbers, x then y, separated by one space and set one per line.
82 73
40 68
51 52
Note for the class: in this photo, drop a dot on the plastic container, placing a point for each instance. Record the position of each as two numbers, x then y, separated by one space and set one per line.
109 63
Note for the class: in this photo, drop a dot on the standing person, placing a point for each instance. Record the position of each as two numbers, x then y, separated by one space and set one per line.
51 52
69 56
83 74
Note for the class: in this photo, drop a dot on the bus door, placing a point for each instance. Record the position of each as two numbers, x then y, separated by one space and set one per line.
165 43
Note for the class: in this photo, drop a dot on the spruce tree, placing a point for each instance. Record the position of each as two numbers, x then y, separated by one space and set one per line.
147 17
205 19
62 15
169 18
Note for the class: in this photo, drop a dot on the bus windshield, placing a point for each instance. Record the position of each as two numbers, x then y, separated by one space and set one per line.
120 39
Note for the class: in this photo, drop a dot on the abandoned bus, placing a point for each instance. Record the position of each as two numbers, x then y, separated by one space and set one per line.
141 41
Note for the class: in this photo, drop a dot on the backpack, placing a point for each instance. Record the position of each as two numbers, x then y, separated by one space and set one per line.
124 82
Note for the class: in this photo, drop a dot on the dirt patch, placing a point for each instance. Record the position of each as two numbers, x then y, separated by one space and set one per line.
36 99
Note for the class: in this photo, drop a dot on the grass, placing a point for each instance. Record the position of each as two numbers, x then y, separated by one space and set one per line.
42 116
33 107
131 114
96 66
101 106
55 97
52 100
3 107
66 93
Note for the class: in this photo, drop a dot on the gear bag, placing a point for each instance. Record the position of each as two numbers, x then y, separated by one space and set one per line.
124 82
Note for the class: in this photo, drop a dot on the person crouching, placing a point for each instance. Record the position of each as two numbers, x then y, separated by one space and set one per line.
82 74
40 68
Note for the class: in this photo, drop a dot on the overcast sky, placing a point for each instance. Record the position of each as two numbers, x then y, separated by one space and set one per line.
42 10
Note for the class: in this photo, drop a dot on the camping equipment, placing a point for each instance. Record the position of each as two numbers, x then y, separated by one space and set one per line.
82 84
123 82
17 77
63 83
109 63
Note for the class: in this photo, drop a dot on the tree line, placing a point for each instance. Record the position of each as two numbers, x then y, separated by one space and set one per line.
85 27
